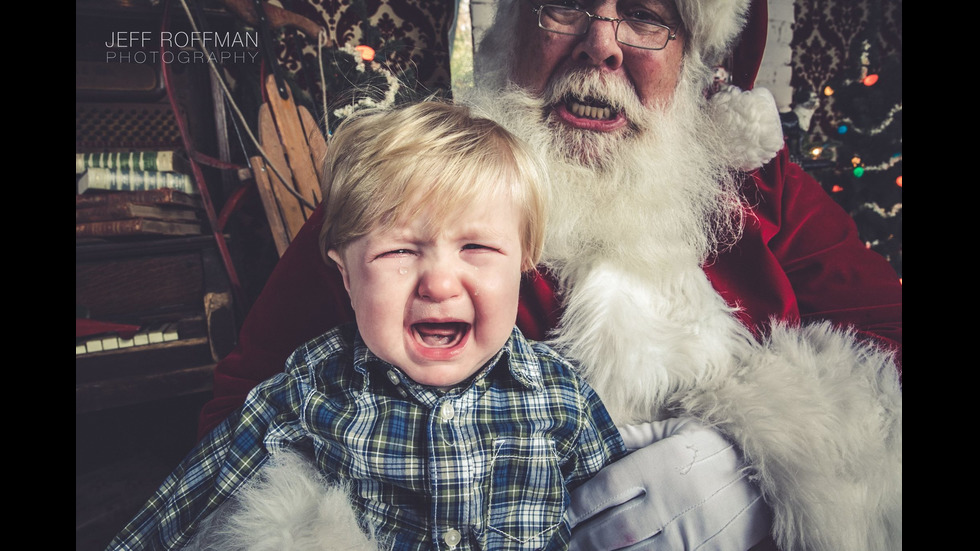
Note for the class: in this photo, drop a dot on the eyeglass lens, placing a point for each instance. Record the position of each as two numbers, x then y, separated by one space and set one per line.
573 21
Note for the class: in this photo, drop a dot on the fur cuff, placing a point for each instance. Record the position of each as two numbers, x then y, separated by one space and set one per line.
818 416
750 122
288 506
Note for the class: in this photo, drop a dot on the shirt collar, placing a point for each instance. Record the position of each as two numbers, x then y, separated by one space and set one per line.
517 354
523 361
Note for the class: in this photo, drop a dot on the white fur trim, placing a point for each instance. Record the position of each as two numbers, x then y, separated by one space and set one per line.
818 416
639 336
750 121
288 507
712 25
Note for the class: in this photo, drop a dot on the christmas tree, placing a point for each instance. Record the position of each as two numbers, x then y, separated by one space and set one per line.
861 165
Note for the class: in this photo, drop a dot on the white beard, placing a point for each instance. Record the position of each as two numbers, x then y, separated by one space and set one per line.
628 234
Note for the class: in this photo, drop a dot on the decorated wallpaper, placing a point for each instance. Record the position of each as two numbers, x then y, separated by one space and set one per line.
417 31
828 42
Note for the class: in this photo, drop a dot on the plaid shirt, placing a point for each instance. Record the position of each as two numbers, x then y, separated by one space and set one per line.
485 465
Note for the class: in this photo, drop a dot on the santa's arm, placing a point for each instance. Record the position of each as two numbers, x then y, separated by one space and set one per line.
834 275
817 415
816 407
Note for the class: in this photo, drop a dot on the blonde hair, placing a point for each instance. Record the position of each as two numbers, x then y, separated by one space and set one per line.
430 158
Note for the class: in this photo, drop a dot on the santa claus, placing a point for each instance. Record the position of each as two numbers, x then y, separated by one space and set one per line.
709 290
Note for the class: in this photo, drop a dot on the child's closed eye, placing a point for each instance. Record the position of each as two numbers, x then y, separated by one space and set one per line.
478 246
396 252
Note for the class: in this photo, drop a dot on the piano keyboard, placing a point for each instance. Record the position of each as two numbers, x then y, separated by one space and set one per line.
150 335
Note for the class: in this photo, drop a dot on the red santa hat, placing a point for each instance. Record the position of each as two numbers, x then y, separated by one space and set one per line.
751 44
713 26
734 33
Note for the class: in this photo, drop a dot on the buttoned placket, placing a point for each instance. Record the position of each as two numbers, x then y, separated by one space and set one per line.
449 463
453 469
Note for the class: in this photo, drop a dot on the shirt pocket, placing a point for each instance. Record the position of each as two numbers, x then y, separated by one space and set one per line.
526 495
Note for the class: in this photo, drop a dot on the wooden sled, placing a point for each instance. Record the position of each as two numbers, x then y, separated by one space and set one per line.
295 147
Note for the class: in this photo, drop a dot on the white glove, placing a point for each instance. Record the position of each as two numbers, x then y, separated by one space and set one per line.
684 488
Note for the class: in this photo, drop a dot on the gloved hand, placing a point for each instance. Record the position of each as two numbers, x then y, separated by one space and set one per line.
683 488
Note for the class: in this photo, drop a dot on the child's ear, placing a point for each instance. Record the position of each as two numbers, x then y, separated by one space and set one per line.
338 259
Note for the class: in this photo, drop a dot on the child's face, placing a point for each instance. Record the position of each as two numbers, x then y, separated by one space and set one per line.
437 306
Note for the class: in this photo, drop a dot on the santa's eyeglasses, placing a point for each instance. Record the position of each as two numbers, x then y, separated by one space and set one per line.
637 33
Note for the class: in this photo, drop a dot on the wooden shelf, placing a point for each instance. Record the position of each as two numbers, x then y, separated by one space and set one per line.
138 389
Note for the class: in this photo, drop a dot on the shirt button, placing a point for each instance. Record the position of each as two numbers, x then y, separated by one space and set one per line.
447 411
452 537
393 377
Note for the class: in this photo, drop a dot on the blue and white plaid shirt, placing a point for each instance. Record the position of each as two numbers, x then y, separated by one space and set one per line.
486 465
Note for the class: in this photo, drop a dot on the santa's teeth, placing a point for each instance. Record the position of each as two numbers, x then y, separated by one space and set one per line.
589 111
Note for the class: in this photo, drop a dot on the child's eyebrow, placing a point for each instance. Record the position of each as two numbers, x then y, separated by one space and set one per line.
474 230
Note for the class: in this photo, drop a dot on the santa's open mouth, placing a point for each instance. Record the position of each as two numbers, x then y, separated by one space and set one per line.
440 335
590 108
590 114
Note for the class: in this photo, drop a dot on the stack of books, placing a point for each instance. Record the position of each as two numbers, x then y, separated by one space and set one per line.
135 193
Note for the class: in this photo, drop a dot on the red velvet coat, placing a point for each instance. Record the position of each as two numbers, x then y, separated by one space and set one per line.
800 259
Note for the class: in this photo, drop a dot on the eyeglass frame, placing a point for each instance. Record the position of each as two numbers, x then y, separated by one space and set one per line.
538 10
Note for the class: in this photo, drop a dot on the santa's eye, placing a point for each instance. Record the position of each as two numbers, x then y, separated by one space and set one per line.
642 15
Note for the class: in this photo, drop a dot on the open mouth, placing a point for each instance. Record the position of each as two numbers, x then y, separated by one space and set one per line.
590 108
440 335
590 114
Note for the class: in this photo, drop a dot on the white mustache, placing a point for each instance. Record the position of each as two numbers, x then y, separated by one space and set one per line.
592 87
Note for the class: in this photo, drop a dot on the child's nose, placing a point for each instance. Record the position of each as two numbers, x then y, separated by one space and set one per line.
439 282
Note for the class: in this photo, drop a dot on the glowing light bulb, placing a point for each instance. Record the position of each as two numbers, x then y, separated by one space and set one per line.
842 129
898 181
828 91
870 80
367 52
836 189
815 152
855 160
858 171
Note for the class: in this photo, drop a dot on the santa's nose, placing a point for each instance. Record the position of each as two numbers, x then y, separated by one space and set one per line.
598 46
